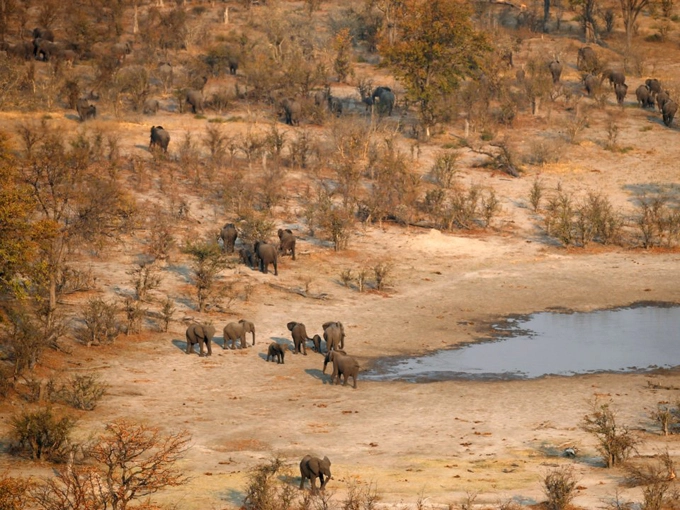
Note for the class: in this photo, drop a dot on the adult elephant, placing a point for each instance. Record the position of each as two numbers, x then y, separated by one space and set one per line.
616 78
644 97
159 138
228 234
620 89
654 85
384 98
586 60
661 99
151 107
286 242
344 366
334 335
299 333
85 109
237 331
312 468
276 352
590 83
194 98
327 360
201 334
292 111
668 111
266 254
555 70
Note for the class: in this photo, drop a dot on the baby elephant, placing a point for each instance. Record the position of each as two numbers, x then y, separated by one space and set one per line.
159 138
275 351
312 468
287 242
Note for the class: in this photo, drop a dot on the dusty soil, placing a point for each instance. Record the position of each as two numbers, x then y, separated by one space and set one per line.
438 440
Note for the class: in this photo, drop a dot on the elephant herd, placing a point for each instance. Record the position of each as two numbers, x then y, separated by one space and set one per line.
260 254
650 94
235 337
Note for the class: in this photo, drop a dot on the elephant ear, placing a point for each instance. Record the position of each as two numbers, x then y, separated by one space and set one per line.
326 325
291 325
209 331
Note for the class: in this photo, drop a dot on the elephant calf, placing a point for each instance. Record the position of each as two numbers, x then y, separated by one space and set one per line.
275 351
312 468
159 138
299 334
201 334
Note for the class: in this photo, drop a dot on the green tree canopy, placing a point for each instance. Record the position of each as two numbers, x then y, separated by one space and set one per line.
436 45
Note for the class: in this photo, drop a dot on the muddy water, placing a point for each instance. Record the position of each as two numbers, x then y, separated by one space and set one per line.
635 339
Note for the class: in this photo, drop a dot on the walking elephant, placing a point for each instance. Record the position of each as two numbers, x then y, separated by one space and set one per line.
555 70
312 468
228 234
644 97
292 111
151 107
299 333
248 257
344 366
276 352
201 334
661 99
590 83
668 111
286 242
586 60
327 360
654 85
159 138
237 331
334 335
384 98
620 89
85 109
266 253
194 98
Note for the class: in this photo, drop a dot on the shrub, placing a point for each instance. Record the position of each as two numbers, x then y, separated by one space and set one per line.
444 170
559 485
615 442
270 487
41 434
167 311
101 326
208 261
14 492
536 194
83 391
382 271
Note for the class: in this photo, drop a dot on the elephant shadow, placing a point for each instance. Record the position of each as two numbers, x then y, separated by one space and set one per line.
71 116
318 374
180 344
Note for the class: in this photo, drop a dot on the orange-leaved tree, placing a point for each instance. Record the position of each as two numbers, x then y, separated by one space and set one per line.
436 46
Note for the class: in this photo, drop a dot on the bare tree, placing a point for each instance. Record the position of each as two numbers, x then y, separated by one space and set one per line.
630 9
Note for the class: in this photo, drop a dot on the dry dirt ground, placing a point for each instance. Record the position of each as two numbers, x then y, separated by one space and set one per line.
439 441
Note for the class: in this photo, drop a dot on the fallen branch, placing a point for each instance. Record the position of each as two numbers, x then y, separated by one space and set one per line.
299 292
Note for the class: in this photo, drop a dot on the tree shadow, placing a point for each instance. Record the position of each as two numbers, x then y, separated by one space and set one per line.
233 496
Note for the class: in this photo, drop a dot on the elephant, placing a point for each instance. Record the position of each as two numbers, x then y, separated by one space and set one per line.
237 331
644 97
43 33
606 74
233 65
620 89
555 70
590 82
85 109
661 99
299 333
266 254
276 352
286 242
335 105
654 86
507 58
586 60
44 49
247 256
321 97
202 335
228 234
334 335
194 98
668 111
344 366
151 107
384 97
312 468
121 50
159 138
616 78
327 360
292 110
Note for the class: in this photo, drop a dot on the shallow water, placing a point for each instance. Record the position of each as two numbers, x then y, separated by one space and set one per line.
634 339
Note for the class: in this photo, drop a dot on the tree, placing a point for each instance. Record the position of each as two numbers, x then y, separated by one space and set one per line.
435 47
587 10
630 9
615 442
209 260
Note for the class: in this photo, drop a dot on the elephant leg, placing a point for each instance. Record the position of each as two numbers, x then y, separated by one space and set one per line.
208 344
276 268
293 252
243 341
189 346
304 347
201 345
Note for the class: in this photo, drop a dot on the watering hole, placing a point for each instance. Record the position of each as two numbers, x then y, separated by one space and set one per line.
638 338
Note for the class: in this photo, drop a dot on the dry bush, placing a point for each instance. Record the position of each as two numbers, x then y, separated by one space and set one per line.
270 487
14 492
167 311
360 496
100 323
536 194
615 442
657 221
444 171
134 315
22 341
655 479
83 391
667 416
161 240
382 272
559 486
208 261
41 434
542 152
145 277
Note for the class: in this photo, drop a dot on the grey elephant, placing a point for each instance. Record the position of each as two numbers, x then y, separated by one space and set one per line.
344 366
299 333
85 109
266 254
555 70
151 107
159 138
328 359
654 85
246 255
644 97
616 78
237 331
228 234
276 352
233 64
384 98
43 33
586 60
668 111
194 98
286 242
620 89
661 99
292 111
312 468
334 335
201 334
590 83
